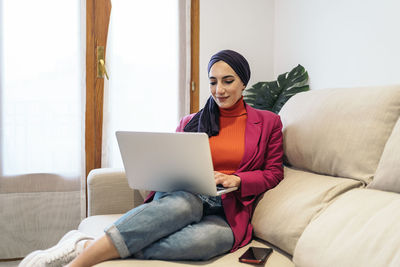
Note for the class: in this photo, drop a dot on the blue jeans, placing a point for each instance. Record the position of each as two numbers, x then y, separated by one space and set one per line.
174 226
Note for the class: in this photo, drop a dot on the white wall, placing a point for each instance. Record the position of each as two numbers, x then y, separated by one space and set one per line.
341 43
245 26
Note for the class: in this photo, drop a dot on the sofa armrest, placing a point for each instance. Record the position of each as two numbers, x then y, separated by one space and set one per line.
109 192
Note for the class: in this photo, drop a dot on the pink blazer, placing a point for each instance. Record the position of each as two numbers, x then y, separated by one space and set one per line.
261 169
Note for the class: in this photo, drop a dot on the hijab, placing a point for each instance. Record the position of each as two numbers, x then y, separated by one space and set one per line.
207 119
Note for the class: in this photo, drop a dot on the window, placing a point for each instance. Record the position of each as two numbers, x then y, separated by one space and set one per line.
41 89
143 58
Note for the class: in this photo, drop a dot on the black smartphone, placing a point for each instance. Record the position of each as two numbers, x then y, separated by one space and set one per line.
255 255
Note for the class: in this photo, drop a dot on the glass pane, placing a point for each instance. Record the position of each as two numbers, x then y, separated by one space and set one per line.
142 54
40 87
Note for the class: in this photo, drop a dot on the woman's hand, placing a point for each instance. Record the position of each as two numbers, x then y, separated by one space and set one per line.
227 180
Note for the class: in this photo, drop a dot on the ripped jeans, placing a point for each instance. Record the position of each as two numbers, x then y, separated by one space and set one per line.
174 226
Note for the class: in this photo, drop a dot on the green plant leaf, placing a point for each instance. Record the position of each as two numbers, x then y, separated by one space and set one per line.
272 95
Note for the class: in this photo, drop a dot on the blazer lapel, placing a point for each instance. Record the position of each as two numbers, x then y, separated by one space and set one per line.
252 136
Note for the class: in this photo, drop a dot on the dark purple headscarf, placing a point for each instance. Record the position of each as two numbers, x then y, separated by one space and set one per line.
237 62
207 119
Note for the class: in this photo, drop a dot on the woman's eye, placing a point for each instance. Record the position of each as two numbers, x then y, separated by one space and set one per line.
228 82
213 83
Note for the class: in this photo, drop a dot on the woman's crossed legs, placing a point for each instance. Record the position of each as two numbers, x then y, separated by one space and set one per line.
171 227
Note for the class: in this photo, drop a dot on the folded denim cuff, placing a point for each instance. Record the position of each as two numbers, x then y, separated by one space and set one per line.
118 241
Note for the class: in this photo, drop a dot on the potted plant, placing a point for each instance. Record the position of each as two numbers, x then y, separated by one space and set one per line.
273 95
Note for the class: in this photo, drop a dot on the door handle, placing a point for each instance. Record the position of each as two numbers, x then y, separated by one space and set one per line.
103 68
101 64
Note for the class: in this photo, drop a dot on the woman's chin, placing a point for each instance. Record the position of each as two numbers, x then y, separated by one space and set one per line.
224 102
225 105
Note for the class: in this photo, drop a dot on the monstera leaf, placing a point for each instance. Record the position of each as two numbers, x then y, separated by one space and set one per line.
273 95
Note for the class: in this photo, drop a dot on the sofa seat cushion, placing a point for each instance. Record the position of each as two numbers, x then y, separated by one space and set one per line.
95 225
283 213
360 228
340 132
387 176
276 259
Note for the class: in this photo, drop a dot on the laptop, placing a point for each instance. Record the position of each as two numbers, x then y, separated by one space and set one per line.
169 162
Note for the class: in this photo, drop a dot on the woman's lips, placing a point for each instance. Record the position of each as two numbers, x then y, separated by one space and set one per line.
222 98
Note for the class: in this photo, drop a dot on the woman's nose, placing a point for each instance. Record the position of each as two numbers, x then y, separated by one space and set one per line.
220 89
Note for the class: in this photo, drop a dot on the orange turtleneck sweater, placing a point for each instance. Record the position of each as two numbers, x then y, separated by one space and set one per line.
227 148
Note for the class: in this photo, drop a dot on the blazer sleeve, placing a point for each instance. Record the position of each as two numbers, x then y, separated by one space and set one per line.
183 122
257 181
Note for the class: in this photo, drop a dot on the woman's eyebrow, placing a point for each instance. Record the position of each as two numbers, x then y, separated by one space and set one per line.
224 77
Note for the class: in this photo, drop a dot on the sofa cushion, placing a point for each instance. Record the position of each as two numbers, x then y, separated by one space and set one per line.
276 259
340 132
95 225
361 228
387 176
109 192
283 213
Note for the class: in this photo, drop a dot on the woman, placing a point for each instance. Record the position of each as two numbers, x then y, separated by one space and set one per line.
246 147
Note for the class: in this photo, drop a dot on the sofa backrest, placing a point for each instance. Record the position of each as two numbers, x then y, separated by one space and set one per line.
361 228
340 132
387 176
283 212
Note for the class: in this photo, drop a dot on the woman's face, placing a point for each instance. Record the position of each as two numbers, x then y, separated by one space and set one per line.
225 85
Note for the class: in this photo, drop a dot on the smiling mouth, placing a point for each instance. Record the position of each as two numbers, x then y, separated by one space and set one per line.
222 98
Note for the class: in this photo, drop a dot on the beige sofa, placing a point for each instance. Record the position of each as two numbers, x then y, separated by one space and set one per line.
339 204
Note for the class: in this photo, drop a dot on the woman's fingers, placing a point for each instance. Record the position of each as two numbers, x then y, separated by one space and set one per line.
226 180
